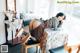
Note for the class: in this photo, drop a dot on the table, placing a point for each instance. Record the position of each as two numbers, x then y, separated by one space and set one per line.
11 29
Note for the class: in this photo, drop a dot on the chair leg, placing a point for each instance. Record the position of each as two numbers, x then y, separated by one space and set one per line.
26 50
22 49
78 49
69 50
43 50
39 50
36 49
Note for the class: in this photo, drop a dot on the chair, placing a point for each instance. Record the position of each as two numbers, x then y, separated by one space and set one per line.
37 44
71 48
26 46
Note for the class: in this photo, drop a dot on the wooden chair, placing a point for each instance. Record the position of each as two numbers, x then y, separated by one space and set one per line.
71 48
26 46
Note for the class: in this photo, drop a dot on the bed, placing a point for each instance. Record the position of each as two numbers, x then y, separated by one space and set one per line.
55 39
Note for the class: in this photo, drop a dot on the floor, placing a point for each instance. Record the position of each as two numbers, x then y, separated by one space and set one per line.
58 50
17 49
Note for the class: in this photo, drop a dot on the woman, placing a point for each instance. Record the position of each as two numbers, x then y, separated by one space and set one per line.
38 34
58 20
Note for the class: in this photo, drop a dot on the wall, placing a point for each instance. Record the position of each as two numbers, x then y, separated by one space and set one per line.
2 29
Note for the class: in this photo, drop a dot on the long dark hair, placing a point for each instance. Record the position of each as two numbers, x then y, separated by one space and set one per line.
61 14
60 23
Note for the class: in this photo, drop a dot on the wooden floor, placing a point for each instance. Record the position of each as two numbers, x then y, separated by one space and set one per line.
16 49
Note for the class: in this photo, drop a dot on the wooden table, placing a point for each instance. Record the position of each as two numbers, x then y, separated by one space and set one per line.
19 39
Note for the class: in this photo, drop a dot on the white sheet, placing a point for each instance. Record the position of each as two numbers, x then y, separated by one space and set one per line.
55 38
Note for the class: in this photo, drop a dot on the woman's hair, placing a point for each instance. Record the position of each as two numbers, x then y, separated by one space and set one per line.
61 14
60 23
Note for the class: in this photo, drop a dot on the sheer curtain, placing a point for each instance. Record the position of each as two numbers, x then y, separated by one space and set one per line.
41 8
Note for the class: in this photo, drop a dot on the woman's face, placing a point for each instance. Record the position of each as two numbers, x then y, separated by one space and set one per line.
61 18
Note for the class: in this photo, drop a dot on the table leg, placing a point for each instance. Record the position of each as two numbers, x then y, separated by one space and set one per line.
36 49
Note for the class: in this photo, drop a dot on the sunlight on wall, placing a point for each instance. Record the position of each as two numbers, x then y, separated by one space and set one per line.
2 29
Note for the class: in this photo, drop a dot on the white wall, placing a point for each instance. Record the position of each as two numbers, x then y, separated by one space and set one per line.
2 28
2 5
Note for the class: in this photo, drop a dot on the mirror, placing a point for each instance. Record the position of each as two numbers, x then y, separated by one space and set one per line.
11 5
